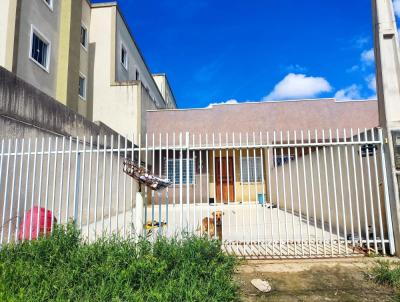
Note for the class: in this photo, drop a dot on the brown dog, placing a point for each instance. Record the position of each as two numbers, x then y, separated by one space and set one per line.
212 224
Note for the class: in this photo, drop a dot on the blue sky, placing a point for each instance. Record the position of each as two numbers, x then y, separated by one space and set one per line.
233 50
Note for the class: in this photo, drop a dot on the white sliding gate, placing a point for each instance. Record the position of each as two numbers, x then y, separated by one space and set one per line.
264 195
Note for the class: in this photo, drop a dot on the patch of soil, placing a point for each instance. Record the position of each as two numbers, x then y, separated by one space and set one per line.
319 281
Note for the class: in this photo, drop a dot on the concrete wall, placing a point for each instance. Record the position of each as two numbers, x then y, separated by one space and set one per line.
47 21
165 89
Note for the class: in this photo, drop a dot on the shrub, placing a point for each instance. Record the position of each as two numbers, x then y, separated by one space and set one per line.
62 267
388 273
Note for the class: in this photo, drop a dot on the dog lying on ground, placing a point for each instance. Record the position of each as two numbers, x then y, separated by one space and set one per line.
212 224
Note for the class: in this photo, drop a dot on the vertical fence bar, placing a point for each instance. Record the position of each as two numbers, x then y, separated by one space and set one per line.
159 193
256 180
53 199
76 181
228 183
68 179
33 189
327 192
342 192
366 225
270 193
47 185
242 181
12 191
234 188
167 176
277 194
313 193
39 202
296 156
306 191
208 186
248 188
60 203
89 187
26 186
291 192
356 187
264 198
96 190
117 190
284 191
187 181
194 185
370 189
334 190
201 185
110 184
1 174
378 195
349 187
103 184
181 179
387 202
82 188
320 194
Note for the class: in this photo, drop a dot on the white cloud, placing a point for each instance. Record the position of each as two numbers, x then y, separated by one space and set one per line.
396 5
349 93
367 56
228 102
295 86
371 81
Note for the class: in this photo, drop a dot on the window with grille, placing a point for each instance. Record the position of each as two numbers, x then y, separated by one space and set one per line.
280 160
251 170
84 36
40 49
82 87
175 177
124 57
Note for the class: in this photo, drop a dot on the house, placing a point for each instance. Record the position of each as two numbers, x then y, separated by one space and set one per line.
252 124
83 55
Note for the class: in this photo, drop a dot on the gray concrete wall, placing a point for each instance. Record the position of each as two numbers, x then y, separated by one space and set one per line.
25 111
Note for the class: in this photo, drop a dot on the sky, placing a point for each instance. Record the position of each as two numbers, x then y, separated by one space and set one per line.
217 51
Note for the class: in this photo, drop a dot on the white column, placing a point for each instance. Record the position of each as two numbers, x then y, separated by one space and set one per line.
388 89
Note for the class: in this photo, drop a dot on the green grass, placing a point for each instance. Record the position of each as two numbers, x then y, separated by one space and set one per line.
64 268
388 273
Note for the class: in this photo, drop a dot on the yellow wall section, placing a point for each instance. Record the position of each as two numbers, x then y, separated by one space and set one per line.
69 54
250 191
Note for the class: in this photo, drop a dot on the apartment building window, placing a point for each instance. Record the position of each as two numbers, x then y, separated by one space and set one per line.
84 36
40 49
82 86
175 177
251 172
124 57
137 78
49 3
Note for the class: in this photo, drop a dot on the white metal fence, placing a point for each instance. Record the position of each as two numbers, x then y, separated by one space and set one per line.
280 194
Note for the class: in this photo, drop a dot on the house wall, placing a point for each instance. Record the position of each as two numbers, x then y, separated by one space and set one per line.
8 15
358 188
135 62
46 21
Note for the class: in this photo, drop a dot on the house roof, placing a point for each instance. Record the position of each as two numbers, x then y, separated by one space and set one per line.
294 115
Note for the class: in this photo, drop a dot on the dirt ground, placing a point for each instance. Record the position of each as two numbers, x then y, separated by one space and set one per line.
313 280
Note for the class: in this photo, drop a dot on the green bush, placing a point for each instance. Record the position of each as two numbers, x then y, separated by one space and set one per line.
388 273
62 267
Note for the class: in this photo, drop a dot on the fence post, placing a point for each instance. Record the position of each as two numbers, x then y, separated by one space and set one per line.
139 213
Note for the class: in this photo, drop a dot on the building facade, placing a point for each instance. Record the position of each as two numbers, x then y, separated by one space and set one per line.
83 55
